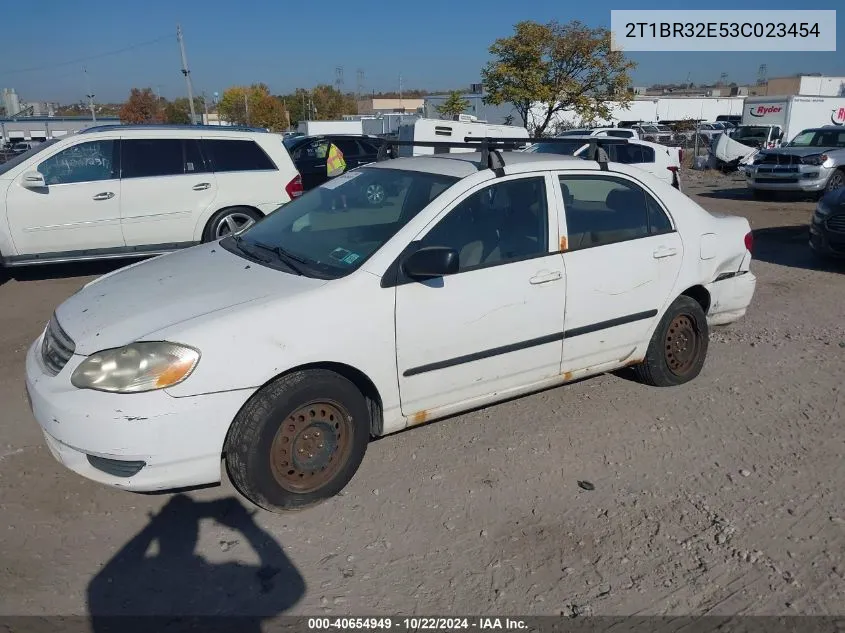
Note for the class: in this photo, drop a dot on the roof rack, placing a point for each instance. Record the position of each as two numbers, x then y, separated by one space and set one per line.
171 126
491 148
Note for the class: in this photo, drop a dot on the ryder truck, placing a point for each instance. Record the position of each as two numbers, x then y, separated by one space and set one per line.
788 115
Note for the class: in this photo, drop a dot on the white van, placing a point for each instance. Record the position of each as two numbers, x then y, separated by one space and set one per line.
437 130
125 190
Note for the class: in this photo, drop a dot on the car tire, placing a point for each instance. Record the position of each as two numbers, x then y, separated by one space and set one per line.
298 441
227 221
836 181
678 348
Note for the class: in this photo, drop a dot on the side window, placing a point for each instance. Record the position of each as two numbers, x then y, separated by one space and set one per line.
84 162
658 221
368 148
348 146
505 222
603 210
194 162
236 155
144 158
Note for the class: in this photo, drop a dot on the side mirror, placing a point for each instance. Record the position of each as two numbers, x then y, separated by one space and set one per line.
34 180
430 262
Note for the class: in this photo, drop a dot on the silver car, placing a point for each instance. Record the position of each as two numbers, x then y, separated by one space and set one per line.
813 162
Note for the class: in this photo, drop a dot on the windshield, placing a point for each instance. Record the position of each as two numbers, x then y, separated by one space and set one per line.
664 128
819 138
17 160
333 229
574 133
566 147
749 134
290 141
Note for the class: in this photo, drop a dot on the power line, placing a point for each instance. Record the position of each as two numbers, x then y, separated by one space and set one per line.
85 59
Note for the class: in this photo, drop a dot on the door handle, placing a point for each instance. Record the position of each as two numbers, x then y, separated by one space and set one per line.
665 252
545 277
201 186
323 165
106 195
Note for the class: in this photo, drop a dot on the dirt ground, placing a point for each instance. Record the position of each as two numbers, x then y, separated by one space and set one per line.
724 496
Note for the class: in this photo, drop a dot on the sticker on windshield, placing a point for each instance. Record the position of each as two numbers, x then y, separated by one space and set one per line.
345 256
339 180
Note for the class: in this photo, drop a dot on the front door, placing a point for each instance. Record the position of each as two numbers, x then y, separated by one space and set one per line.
78 210
497 323
165 188
622 260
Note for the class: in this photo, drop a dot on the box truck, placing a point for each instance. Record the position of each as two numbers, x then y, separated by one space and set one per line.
787 116
436 130
314 128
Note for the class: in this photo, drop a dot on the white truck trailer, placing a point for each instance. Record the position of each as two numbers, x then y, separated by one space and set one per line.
438 130
314 128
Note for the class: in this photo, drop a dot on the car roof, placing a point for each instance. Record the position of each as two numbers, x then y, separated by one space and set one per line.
157 129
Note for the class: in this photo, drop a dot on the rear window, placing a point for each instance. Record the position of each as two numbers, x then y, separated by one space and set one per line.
236 155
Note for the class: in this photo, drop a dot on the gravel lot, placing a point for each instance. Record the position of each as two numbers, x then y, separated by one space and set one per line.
724 496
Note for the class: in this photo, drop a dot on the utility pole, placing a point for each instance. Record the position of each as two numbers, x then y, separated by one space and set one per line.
205 106
246 106
186 73
401 101
90 95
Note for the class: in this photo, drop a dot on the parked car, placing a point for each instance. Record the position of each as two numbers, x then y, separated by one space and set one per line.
125 191
814 161
827 228
284 348
707 132
655 133
659 160
616 132
309 154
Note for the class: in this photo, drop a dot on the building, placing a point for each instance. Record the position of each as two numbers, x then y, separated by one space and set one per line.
805 85
26 128
10 101
378 105
39 108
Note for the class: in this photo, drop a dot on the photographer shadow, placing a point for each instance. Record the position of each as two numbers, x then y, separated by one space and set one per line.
176 589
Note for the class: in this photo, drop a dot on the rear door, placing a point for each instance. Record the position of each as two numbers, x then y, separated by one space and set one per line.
622 259
353 153
310 158
166 186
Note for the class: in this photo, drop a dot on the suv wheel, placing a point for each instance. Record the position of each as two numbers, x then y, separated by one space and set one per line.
229 221
836 181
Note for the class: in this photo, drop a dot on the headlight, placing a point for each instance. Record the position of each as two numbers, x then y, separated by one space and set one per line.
143 366
815 159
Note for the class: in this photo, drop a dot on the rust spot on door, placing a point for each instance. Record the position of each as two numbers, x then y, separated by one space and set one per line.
567 375
563 243
419 418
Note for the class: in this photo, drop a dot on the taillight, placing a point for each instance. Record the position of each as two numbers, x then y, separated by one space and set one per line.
749 241
294 187
673 169
681 154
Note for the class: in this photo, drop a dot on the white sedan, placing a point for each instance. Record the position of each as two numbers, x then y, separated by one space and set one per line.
284 349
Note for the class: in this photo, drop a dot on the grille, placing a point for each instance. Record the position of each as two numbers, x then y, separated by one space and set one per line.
56 347
836 223
779 159
773 181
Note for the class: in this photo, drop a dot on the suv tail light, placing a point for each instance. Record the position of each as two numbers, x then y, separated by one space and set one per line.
749 241
294 187
681 154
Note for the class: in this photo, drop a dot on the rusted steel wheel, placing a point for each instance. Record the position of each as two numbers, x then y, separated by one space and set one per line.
678 348
299 440
311 446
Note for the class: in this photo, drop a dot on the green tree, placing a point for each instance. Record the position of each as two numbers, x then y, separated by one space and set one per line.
454 105
253 105
178 111
141 107
543 69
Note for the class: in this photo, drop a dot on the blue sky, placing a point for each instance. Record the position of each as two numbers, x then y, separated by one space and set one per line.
433 44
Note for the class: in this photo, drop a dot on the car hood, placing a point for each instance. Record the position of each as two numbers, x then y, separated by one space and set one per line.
134 302
801 151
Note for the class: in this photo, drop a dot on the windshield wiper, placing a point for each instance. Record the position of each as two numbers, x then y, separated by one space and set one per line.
285 256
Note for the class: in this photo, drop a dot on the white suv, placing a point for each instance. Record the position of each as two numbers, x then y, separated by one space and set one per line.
124 190
661 161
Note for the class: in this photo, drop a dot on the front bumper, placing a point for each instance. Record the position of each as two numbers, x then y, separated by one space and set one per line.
827 243
178 441
807 178
730 298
